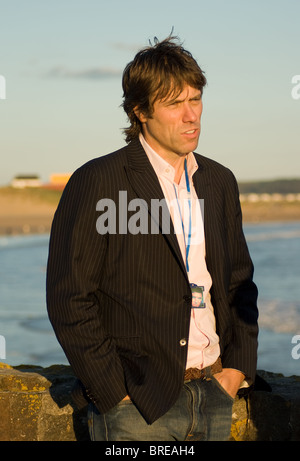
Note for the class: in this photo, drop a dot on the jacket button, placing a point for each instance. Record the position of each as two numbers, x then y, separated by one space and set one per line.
182 342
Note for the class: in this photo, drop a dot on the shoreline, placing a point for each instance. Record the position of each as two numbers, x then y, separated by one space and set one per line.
31 211
36 225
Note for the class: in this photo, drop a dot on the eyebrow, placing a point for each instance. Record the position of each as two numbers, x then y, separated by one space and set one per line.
177 99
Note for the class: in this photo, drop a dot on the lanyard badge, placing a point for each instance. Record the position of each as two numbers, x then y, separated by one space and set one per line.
197 296
197 290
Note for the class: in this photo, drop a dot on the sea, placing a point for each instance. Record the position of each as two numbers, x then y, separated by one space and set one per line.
27 337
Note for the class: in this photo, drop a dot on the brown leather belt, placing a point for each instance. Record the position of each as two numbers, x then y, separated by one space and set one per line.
196 373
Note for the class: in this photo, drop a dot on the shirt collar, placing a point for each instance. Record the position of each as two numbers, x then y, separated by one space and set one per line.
161 166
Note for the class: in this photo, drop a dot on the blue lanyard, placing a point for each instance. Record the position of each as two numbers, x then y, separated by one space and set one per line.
188 243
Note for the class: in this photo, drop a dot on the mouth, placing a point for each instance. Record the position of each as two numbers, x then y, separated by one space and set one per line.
191 133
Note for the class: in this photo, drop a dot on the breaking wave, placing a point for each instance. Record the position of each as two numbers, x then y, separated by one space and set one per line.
279 316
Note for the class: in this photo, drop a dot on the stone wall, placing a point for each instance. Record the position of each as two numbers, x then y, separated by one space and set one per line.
35 405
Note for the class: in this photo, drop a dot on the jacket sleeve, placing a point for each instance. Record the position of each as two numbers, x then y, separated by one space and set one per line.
74 270
241 352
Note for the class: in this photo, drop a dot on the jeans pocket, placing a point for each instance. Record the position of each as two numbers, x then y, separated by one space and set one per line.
221 388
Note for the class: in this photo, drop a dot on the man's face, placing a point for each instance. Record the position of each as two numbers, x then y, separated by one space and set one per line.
197 299
174 127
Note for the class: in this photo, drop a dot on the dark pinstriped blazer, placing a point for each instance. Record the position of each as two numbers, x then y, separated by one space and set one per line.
120 303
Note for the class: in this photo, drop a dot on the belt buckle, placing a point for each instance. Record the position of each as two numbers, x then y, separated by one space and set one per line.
204 374
195 373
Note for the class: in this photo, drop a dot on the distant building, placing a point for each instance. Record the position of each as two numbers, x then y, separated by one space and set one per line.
58 181
22 181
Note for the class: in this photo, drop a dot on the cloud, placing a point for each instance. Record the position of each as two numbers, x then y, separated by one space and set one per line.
93 73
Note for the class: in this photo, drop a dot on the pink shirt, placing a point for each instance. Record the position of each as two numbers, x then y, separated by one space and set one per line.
203 345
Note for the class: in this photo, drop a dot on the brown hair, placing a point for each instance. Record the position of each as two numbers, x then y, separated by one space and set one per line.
156 73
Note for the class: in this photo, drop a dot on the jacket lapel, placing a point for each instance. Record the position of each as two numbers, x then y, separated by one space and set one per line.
207 190
202 185
145 183
201 181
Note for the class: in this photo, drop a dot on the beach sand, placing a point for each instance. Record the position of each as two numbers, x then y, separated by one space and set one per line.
271 211
28 212
22 213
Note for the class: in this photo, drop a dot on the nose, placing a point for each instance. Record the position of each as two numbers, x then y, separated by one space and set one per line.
190 113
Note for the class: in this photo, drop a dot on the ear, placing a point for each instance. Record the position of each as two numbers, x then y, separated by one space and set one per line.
140 115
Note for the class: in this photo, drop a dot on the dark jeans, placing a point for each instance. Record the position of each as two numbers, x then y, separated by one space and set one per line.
203 411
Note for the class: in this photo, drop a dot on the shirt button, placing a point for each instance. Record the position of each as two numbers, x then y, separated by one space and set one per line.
182 342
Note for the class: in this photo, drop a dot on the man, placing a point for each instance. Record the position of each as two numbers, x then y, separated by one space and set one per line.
151 365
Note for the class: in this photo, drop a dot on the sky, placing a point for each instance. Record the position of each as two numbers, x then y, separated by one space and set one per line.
61 65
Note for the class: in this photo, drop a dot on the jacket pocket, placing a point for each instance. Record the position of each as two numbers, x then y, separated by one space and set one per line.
133 359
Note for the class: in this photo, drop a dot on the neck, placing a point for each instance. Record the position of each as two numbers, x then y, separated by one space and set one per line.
178 165
179 169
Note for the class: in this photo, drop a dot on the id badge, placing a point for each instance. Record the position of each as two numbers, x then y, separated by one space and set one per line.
197 296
